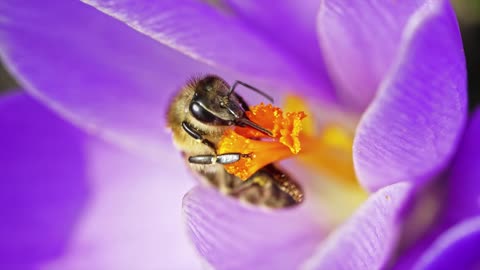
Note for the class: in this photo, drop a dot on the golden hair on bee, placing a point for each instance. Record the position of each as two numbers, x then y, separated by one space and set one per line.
198 116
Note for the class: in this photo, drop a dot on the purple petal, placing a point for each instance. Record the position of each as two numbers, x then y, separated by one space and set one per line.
462 193
367 240
297 22
217 38
457 248
233 236
411 129
360 41
71 201
464 189
93 69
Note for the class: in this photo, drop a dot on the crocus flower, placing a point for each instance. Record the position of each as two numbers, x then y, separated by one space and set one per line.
90 179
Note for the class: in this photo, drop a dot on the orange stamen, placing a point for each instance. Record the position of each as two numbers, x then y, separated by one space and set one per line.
284 127
259 153
262 149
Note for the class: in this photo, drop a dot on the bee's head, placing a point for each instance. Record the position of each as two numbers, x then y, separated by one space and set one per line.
214 103
211 103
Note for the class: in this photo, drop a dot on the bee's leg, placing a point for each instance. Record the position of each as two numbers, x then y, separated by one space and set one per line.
278 189
209 159
196 135
220 159
257 179
200 159
285 183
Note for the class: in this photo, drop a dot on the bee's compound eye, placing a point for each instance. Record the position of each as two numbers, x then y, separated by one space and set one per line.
201 114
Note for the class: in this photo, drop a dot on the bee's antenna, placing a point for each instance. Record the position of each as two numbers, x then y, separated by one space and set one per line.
258 91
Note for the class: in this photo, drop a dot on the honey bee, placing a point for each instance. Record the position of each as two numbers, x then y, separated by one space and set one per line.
198 116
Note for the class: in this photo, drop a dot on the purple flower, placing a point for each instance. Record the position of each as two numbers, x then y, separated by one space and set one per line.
98 184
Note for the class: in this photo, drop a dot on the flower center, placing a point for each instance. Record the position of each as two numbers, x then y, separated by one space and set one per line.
324 153
261 149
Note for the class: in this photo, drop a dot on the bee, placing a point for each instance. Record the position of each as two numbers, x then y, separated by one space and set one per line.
198 116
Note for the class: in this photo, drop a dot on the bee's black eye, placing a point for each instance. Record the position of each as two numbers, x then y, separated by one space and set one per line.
201 114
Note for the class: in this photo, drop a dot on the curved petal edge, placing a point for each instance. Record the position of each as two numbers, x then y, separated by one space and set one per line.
368 238
413 126
457 248
230 235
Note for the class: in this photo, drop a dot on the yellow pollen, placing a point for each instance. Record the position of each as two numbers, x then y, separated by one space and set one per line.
327 149
327 161
330 152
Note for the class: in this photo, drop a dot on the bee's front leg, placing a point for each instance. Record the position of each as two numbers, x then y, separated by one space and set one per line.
197 136
213 159
209 159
